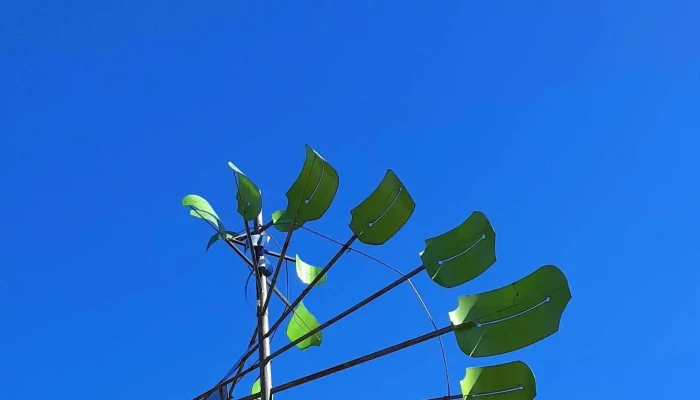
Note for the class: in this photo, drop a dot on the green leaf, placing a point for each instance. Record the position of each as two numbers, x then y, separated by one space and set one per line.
301 323
198 202
209 217
384 212
307 273
511 317
217 236
462 254
282 220
512 381
312 193
202 209
213 239
248 195
256 388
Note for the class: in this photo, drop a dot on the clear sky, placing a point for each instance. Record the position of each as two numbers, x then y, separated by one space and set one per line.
573 125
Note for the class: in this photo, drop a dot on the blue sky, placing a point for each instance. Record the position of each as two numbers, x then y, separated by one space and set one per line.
572 125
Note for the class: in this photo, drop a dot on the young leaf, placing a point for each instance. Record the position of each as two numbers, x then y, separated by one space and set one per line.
307 273
202 209
256 388
303 322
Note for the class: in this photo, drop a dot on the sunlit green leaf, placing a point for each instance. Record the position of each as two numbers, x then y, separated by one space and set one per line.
511 317
462 254
202 209
301 323
381 215
307 273
256 388
198 202
312 193
512 381
248 195
282 220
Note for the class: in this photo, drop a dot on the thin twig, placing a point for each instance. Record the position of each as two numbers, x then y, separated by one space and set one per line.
251 265
286 265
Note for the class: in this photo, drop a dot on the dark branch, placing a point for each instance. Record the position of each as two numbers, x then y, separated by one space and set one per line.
256 232
360 360
243 359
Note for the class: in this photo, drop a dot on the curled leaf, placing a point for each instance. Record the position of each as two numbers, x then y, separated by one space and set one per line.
215 237
307 273
201 208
